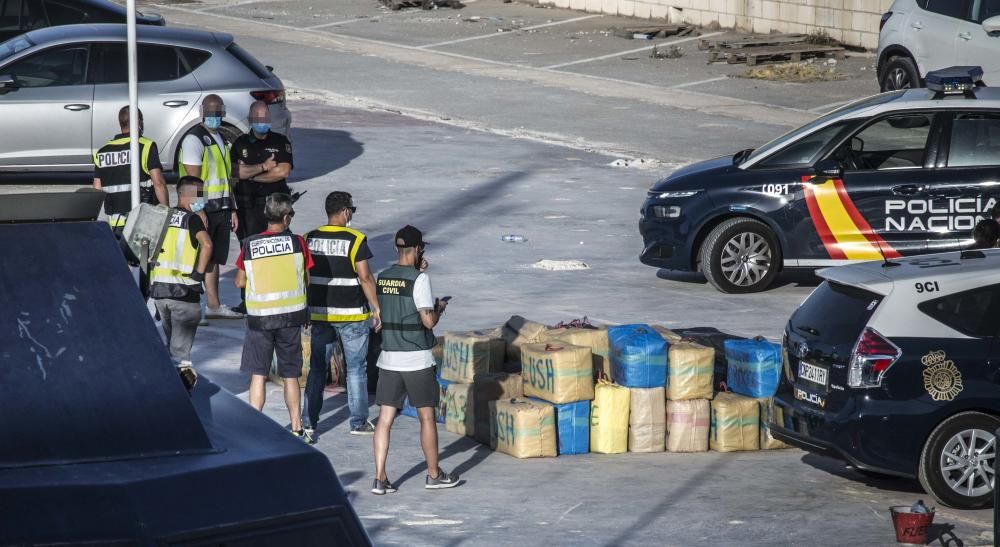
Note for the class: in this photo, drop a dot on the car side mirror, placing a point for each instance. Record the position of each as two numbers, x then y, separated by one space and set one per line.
7 83
992 25
829 169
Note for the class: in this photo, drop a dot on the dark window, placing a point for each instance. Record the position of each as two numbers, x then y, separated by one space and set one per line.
951 8
33 15
896 142
854 307
10 15
53 67
922 3
971 313
249 61
987 9
156 64
806 150
63 14
975 140
194 58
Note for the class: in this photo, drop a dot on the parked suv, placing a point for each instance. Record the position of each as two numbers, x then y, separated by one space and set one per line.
918 36
20 16
894 366
62 87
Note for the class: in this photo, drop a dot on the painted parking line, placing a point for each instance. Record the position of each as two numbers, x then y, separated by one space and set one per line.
636 50
534 27
338 23
229 5
828 107
699 82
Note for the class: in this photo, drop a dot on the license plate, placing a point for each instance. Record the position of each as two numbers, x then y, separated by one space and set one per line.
817 375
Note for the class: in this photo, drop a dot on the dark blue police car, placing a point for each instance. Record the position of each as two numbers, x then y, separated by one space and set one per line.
898 174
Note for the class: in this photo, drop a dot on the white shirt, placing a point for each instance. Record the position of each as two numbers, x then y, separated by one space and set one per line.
193 150
408 361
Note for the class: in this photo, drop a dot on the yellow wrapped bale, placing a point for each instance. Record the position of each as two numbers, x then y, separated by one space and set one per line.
518 331
647 419
769 413
469 353
306 355
690 371
557 372
460 415
595 339
735 423
609 419
688 425
523 429
492 386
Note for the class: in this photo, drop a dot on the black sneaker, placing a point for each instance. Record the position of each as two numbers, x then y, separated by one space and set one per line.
365 428
240 308
443 480
381 488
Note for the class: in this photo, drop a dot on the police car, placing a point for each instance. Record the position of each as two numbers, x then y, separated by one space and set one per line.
898 174
893 367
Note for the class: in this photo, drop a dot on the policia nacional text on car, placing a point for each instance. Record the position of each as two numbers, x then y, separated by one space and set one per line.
112 174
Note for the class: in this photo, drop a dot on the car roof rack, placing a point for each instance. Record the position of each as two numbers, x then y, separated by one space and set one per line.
954 81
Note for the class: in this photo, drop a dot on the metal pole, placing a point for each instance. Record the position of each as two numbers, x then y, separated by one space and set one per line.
133 104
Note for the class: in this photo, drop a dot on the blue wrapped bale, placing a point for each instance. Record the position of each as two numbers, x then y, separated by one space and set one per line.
411 411
754 367
572 426
638 356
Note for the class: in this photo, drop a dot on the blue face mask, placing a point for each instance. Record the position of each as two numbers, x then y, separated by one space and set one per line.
213 122
261 128
198 205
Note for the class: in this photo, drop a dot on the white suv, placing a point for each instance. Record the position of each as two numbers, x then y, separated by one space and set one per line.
918 36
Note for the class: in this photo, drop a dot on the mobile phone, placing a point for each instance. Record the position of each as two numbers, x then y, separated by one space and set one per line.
444 298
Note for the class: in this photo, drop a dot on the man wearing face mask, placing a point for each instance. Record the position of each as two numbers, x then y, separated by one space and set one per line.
274 268
179 272
262 160
205 154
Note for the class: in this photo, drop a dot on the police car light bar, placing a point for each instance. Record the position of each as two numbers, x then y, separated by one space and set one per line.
954 80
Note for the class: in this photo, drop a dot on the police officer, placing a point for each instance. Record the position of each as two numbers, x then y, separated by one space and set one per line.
406 365
273 267
262 160
113 173
342 304
205 154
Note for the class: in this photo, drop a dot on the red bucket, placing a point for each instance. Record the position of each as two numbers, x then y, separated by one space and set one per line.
911 528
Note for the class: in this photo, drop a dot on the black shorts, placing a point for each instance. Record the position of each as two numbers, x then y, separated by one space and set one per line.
420 385
260 345
219 227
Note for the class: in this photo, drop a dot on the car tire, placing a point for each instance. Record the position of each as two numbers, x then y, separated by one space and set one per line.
899 73
947 444
741 255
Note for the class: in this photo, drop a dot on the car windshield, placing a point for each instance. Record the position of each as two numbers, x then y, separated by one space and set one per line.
14 45
821 121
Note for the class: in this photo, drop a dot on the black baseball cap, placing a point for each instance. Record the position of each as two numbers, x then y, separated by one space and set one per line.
410 236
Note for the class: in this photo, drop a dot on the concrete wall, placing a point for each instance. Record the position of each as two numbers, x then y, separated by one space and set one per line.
853 22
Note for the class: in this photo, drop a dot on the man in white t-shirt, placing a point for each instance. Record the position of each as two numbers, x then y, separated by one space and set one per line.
205 154
409 312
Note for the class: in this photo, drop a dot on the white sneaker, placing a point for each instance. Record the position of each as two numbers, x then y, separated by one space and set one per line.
222 312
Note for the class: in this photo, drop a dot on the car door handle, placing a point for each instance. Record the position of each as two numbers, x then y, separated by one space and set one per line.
175 104
907 189
917 25
965 36
77 107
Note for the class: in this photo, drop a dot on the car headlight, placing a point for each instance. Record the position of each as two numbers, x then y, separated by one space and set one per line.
677 194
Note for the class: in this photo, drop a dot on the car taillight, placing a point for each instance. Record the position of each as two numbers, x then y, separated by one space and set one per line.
871 358
270 96
885 19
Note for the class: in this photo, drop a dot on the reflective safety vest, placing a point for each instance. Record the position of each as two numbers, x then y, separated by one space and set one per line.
112 164
402 328
276 287
178 258
218 194
335 293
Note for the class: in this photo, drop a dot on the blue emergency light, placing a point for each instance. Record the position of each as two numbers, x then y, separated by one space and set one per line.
954 80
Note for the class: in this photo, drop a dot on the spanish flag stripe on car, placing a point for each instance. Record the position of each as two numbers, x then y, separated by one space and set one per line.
844 232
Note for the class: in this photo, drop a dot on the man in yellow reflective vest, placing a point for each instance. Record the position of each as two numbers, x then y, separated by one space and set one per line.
205 154
274 269
179 272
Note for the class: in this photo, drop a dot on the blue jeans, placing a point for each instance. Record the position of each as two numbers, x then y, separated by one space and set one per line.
354 338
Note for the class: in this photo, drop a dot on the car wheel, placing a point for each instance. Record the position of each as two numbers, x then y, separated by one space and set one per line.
741 255
899 73
956 465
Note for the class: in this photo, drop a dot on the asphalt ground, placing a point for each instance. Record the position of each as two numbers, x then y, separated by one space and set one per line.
476 139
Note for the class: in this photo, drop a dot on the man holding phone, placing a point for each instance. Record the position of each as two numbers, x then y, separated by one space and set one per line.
407 368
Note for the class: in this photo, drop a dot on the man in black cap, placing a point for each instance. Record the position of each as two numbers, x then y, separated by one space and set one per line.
409 312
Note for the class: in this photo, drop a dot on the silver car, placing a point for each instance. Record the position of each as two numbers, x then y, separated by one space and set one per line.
61 89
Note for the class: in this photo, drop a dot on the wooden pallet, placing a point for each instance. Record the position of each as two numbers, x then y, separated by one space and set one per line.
650 32
753 56
755 40
396 5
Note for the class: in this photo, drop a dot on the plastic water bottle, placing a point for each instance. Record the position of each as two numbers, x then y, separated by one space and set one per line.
919 508
514 238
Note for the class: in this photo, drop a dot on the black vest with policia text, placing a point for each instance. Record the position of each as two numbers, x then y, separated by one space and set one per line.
113 167
335 293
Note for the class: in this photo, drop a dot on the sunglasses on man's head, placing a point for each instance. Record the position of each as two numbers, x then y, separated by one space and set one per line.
353 209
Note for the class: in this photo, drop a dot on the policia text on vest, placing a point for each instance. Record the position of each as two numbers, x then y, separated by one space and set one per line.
335 291
112 175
